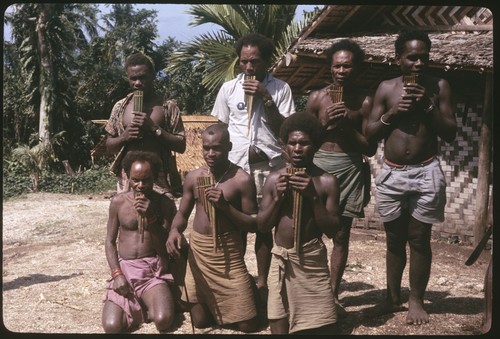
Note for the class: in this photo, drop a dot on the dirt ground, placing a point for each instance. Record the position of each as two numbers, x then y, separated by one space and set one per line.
55 271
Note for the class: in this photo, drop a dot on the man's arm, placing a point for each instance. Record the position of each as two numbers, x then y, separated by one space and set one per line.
113 224
331 223
243 219
325 212
353 130
120 284
378 125
442 115
180 221
272 199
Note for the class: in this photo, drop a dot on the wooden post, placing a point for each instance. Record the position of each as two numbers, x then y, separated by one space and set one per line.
483 173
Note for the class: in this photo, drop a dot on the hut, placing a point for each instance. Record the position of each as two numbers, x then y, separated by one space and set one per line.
462 53
192 158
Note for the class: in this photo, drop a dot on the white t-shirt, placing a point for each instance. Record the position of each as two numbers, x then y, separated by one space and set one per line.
230 108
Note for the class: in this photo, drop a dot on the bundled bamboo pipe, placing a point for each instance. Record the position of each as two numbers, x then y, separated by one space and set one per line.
205 182
336 94
297 211
249 103
410 79
141 220
138 103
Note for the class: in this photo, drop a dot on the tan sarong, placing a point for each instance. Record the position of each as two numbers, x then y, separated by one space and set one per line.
220 279
299 287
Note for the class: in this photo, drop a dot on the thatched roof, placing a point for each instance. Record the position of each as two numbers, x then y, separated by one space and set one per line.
192 158
462 39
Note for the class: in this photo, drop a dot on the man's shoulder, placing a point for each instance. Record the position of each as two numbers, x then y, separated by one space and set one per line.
388 84
279 82
242 175
120 197
193 174
319 93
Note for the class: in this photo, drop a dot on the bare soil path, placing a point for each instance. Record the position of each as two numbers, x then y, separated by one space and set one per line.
55 270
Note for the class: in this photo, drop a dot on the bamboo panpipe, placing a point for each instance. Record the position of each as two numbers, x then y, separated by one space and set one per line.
138 99
297 211
249 103
410 79
140 218
336 94
205 182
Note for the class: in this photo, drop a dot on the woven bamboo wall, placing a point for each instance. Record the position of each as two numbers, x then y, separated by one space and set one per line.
459 161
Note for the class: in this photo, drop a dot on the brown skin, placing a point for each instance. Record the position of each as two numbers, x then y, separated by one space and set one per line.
320 191
411 138
344 122
123 240
234 200
140 126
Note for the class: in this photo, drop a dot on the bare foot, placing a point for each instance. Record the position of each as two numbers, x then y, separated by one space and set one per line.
383 308
416 313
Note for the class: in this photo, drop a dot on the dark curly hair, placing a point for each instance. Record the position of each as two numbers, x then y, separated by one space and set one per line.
140 59
405 36
142 156
303 122
346 45
265 45
218 128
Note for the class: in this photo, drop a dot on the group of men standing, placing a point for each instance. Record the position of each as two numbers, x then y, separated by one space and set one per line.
270 168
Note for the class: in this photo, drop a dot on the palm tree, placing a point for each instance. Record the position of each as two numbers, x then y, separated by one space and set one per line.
215 50
128 31
47 36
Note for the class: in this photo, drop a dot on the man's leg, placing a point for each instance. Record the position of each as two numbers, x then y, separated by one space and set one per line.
396 238
419 238
338 258
279 326
113 318
263 246
161 306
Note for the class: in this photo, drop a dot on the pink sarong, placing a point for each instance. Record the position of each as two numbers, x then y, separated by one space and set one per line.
142 274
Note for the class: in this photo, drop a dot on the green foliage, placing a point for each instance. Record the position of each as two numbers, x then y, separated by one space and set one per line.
94 180
16 181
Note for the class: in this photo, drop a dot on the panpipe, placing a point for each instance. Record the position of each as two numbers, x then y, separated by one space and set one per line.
205 182
336 94
138 99
141 220
296 211
410 78
249 103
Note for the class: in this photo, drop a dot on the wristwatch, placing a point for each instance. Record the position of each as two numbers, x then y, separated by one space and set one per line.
268 102
158 131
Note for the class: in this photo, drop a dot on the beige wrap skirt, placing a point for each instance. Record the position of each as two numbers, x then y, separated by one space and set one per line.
220 279
299 287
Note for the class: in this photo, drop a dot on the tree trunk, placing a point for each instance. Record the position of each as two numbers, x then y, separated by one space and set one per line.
46 79
483 175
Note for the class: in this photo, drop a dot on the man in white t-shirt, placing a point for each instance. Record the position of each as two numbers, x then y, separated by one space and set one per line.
254 136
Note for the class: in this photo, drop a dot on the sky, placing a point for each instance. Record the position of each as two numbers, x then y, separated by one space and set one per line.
174 22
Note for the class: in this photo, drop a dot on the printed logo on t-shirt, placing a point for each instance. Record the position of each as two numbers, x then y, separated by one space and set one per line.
241 105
